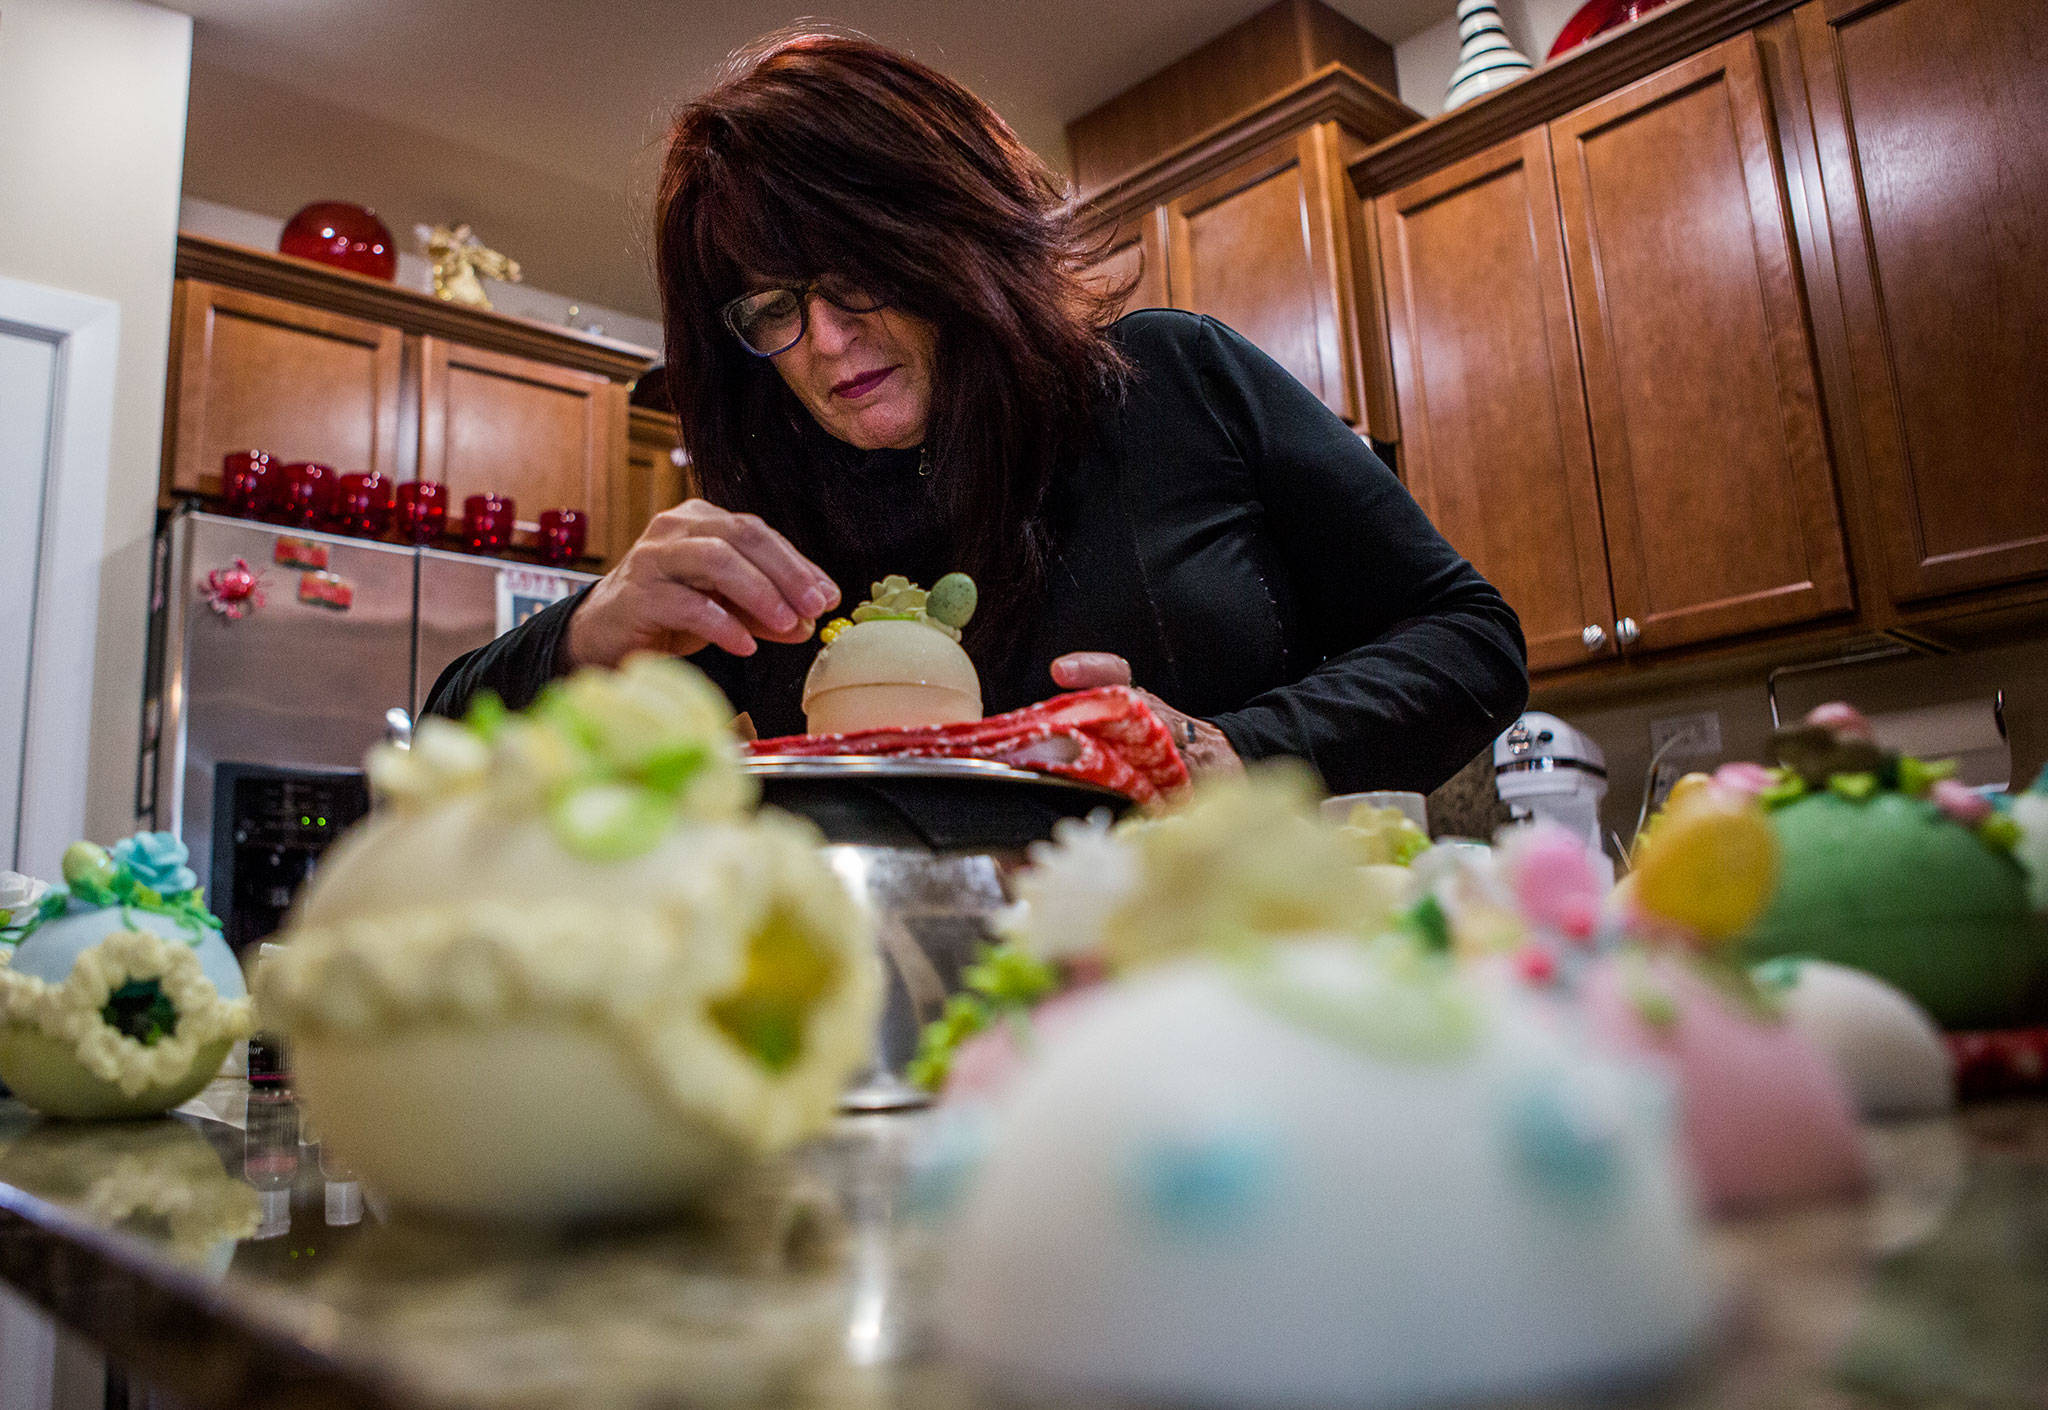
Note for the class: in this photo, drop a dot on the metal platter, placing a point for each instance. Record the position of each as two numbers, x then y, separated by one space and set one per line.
942 805
830 766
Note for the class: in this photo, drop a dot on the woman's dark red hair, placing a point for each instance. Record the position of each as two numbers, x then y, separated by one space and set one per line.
825 152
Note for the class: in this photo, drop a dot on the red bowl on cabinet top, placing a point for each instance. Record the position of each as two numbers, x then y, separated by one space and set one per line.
346 236
1596 17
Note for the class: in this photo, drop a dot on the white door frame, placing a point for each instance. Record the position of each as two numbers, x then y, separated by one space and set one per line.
85 334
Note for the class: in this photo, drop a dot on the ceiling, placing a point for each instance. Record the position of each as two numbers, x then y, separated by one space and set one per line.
539 120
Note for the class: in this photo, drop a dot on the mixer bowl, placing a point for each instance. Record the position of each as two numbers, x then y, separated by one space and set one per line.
929 845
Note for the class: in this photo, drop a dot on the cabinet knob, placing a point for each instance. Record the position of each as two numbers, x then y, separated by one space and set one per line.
1627 632
1595 637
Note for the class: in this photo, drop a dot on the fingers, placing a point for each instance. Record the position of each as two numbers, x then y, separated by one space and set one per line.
714 567
686 612
1084 670
802 585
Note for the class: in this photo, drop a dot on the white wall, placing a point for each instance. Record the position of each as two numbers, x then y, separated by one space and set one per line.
222 222
92 140
1423 62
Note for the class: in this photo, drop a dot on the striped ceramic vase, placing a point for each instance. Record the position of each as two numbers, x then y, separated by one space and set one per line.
1486 58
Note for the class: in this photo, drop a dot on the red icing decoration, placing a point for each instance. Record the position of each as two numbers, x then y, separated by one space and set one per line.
346 236
1106 736
1535 964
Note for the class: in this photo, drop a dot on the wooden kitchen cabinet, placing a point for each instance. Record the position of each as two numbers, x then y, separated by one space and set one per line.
249 371
311 362
1136 257
1716 487
657 476
542 435
1222 178
1931 277
1486 368
1259 247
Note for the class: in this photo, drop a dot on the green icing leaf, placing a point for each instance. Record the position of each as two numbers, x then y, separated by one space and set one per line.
1855 787
487 715
142 1010
1788 787
1427 921
671 770
1917 776
608 822
1999 832
1007 976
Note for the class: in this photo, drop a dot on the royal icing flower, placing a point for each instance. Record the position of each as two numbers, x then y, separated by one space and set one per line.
1959 801
157 860
20 896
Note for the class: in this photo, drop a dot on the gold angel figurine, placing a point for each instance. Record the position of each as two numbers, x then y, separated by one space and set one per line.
459 258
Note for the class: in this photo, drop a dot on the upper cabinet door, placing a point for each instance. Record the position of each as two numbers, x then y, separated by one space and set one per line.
1715 481
1256 247
543 435
253 372
1931 127
1486 372
1136 257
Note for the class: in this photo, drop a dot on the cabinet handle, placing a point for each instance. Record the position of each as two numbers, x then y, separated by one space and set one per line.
1595 638
1627 632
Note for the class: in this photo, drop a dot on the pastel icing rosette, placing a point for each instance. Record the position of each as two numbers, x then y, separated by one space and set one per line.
157 860
564 970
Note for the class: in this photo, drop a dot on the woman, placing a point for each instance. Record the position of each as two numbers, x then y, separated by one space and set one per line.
884 361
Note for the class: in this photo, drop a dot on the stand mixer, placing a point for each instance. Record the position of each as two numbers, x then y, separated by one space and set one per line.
1545 768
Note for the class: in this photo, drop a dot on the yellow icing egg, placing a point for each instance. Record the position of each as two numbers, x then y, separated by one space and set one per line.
1709 865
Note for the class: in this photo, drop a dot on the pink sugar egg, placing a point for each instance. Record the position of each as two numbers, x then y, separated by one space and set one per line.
1764 1117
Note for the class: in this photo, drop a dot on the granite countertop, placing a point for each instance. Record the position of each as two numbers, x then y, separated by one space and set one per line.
809 1286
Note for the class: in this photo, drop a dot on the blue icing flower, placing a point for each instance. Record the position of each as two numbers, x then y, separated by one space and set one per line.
157 860
1567 1140
1201 1186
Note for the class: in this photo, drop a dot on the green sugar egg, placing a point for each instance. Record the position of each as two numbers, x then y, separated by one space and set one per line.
1893 886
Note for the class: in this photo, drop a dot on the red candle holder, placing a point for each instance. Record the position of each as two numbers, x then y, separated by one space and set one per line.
306 494
422 507
362 505
248 480
563 532
487 523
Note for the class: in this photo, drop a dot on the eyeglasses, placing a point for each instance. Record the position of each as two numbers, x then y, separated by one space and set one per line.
772 321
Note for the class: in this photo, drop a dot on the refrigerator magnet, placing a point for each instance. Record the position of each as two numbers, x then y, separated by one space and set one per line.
324 589
524 591
299 553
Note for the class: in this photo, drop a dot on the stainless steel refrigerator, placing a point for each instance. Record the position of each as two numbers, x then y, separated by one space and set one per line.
281 656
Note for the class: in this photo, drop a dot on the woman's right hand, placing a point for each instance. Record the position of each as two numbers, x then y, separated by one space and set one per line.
700 576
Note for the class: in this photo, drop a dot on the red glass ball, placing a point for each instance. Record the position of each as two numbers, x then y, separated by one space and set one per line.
1596 17
346 236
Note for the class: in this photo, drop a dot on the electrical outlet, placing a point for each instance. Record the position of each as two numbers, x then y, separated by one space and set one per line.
1691 737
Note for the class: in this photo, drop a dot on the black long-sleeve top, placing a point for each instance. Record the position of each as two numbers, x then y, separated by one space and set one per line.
1254 561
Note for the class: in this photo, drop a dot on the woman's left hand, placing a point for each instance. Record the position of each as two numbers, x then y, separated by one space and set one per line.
1202 745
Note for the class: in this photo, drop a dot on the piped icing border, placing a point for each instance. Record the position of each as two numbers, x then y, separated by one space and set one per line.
643 977
72 1013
